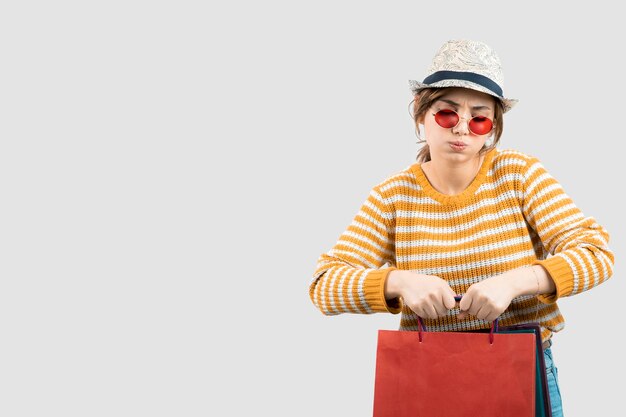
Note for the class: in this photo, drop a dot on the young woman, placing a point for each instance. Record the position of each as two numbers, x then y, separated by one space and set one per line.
468 218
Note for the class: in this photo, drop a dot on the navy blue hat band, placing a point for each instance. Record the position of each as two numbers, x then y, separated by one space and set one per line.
466 76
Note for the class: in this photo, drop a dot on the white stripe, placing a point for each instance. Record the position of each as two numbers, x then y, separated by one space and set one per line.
445 327
467 281
506 178
359 224
469 323
573 269
555 213
366 216
575 255
407 198
600 236
604 261
527 310
349 294
315 299
595 238
363 274
558 327
401 183
407 180
513 152
490 185
546 204
469 266
331 296
534 166
360 249
365 262
319 274
462 241
542 192
541 178
367 240
502 163
323 295
376 209
541 317
362 226
453 214
565 235
588 237
341 287
468 251
572 221
460 227
592 262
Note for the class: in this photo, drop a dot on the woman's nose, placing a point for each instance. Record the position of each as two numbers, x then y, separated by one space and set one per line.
462 128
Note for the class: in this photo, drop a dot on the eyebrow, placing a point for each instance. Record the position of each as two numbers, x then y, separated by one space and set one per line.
452 103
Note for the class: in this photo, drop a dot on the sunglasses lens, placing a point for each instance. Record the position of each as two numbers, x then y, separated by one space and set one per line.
446 118
480 125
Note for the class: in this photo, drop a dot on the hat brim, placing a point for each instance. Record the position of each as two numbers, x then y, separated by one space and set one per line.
507 103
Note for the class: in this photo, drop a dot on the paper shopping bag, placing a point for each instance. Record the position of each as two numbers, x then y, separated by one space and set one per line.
542 393
455 374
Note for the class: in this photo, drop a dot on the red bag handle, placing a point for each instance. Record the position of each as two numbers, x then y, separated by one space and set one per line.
421 327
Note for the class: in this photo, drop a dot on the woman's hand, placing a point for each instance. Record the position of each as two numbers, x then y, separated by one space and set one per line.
489 298
427 295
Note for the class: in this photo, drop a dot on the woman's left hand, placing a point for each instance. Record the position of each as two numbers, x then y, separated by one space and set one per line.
488 299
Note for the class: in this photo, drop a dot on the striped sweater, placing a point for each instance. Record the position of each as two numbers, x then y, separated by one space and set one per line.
513 214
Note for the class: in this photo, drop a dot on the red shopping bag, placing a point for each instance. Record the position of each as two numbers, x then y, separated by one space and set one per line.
454 374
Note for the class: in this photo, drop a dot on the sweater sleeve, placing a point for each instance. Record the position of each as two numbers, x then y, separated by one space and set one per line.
581 258
349 278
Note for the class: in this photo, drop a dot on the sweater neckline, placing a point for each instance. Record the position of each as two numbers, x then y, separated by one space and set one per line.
427 187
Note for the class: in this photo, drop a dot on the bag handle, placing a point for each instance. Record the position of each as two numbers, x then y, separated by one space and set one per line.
421 328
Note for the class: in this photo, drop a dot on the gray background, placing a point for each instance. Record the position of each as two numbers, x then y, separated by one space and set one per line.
170 172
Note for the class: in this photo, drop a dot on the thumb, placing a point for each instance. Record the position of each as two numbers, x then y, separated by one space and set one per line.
449 301
464 306
465 303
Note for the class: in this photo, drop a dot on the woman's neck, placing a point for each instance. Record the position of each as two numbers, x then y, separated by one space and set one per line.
452 178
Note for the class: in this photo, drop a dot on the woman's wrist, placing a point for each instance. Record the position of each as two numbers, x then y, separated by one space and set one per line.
392 284
546 283
533 280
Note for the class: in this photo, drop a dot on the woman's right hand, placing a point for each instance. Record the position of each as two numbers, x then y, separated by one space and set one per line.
427 295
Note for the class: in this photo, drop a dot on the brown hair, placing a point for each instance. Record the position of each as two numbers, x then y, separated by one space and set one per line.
424 101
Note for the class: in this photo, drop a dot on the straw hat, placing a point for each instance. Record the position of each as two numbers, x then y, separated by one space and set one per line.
468 64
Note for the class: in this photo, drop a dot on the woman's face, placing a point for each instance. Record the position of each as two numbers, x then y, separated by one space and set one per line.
443 141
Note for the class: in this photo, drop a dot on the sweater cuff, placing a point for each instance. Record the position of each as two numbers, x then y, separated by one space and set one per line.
374 288
561 273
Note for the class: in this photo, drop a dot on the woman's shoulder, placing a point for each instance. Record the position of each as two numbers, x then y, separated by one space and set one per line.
511 159
400 179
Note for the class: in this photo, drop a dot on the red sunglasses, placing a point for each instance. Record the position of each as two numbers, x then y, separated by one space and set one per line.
478 125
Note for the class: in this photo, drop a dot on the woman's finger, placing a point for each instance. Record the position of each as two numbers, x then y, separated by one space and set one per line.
484 312
441 309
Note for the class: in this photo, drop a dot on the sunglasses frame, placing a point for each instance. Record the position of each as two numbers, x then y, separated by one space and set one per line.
463 118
